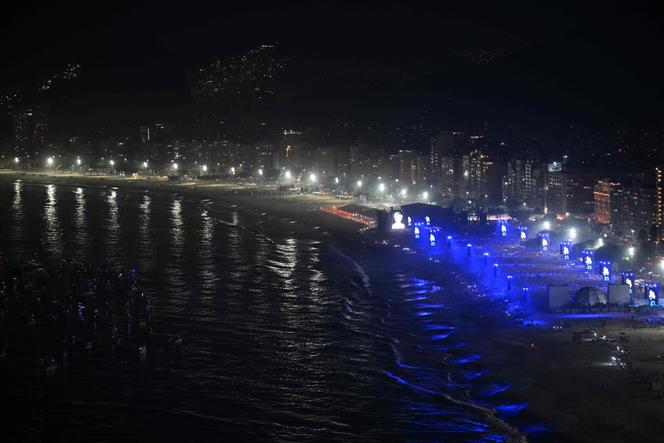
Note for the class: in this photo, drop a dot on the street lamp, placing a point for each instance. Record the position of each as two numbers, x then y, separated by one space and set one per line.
572 234
359 183
631 251
425 195
16 160
381 187
145 165
175 166
232 170
260 171
49 161
78 161
546 225
404 192
312 177
336 180
204 168
287 174
111 162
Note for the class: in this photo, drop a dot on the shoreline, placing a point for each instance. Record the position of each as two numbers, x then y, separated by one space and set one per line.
570 389
550 378
250 197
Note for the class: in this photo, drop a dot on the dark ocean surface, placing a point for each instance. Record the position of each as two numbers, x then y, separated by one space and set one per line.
288 333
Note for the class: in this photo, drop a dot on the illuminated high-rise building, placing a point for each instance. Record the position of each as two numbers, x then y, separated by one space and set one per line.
445 144
606 201
30 127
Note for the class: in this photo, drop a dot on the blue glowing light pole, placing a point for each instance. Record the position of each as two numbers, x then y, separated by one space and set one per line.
469 247
449 241
652 293
432 239
495 269
628 279
509 282
588 259
565 247
605 270
486 258
417 232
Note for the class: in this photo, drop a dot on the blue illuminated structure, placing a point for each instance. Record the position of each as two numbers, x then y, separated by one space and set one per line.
509 281
410 221
544 239
495 269
565 248
588 257
627 278
503 229
427 220
605 270
523 234
432 239
486 258
449 241
417 232
469 247
652 293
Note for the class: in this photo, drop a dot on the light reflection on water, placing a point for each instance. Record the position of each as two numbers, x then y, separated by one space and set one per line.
80 234
284 339
52 235
112 236
17 212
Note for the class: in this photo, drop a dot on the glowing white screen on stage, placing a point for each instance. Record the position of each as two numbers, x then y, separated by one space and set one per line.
398 225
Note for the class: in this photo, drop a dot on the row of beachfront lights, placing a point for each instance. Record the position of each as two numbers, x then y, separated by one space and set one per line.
50 162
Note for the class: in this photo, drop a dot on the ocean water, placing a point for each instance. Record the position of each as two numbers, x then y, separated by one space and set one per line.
288 333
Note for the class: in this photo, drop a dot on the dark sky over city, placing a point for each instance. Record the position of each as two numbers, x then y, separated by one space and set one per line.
596 64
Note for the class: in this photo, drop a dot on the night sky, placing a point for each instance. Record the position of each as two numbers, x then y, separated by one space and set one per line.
458 63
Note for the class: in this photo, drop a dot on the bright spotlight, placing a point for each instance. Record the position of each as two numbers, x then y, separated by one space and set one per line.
381 187
572 234
312 177
260 171
111 162
631 251
145 164
546 225
78 161
661 265
336 180
16 160
175 166
425 195
49 161
404 192
359 183
204 168
287 174
232 170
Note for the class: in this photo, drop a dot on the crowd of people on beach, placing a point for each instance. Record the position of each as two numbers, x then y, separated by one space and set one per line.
55 311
